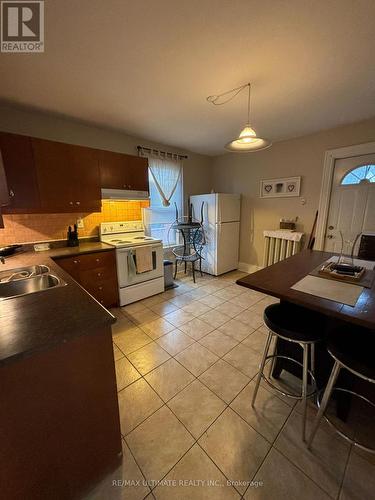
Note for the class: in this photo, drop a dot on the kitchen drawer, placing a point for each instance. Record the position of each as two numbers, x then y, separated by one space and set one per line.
96 272
106 293
96 260
70 265
98 275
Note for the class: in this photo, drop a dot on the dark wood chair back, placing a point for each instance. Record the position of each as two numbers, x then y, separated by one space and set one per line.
367 247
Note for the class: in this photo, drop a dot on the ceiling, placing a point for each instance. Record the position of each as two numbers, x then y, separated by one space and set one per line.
146 67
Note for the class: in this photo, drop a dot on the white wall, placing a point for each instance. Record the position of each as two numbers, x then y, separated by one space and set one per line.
304 156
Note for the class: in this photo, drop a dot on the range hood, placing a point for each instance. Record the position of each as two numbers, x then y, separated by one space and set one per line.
124 194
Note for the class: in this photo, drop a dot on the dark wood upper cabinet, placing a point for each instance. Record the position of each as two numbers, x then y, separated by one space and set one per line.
48 176
20 172
68 176
122 171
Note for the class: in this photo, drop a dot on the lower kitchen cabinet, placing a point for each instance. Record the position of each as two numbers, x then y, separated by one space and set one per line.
96 272
60 429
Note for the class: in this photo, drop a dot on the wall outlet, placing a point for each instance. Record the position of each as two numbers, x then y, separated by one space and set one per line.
80 223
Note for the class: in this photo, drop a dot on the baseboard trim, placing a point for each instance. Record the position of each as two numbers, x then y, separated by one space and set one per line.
248 268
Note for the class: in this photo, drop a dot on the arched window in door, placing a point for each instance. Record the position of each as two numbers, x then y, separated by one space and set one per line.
359 175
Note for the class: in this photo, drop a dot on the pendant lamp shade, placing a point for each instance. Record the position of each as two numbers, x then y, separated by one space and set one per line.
248 140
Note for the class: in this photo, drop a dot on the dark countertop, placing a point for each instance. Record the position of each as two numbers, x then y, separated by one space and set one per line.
38 321
277 280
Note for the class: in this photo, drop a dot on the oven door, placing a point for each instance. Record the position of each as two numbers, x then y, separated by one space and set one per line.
125 271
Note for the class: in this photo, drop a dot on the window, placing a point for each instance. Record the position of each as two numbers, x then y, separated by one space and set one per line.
363 174
158 218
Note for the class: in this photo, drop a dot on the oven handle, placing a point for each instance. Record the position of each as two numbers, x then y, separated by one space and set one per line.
133 248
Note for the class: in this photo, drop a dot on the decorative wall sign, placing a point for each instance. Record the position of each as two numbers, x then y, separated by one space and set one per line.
280 188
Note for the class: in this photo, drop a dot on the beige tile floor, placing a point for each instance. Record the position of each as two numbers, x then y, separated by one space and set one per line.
185 366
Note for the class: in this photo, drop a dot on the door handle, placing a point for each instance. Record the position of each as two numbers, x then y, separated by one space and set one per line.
330 236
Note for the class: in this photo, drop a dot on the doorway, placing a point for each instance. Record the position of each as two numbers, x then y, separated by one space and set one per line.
346 205
352 203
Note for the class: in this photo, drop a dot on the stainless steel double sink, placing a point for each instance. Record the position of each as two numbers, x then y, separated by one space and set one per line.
27 280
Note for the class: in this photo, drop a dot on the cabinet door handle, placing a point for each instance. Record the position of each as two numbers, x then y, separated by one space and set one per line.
100 288
76 261
70 203
97 260
78 202
11 193
99 274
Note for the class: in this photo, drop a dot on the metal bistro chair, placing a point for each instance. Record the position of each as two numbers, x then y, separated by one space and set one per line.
191 249
298 325
351 348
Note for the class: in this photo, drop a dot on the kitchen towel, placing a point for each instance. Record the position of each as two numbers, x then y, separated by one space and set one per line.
345 293
132 270
143 257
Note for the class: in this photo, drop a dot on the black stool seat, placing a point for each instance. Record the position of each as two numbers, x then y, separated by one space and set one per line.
294 323
354 347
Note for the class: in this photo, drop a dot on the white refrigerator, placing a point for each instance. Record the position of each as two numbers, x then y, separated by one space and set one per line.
221 222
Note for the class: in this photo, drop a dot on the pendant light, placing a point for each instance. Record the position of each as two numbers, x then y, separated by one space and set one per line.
247 141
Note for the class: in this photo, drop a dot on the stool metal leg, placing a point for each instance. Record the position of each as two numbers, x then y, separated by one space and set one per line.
327 394
261 368
304 387
312 358
273 361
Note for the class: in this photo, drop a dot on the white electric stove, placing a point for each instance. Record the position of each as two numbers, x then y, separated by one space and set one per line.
126 237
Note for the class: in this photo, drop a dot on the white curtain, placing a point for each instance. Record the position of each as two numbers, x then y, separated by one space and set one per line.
166 173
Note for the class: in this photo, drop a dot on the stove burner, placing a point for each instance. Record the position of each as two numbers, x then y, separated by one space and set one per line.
120 241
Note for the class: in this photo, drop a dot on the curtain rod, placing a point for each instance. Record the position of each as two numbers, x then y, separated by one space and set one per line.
158 151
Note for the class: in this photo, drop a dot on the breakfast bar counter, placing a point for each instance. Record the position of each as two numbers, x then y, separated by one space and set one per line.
277 280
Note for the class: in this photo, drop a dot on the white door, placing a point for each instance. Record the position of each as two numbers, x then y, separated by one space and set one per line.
352 205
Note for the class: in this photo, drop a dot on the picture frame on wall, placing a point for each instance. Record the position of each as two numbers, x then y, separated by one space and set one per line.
285 187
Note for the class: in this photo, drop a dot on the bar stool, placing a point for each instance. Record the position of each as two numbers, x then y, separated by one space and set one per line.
298 325
351 348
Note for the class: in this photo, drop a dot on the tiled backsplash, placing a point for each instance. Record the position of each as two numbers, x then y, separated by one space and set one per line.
29 228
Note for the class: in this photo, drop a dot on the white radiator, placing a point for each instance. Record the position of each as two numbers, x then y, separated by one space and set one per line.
280 244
